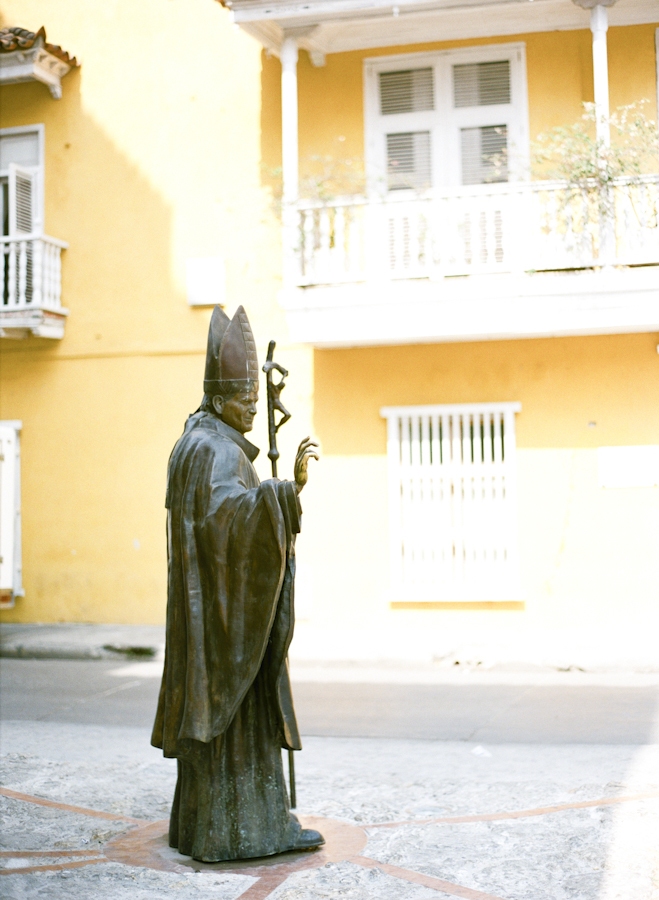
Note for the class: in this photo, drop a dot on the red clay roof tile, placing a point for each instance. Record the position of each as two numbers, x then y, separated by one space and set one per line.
12 39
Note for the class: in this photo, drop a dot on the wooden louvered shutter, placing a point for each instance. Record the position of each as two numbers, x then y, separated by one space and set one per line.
22 201
22 215
408 161
408 152
483 148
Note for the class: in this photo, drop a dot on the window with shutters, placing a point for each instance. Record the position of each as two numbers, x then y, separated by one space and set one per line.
21 197
452 499
10 513
457 117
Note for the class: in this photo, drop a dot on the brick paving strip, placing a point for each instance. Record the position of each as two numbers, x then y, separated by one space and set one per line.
55 867
518 814
139 847
429 881
41 801
98 855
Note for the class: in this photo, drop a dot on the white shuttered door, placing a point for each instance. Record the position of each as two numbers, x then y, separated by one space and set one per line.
453 501
10 513
22 200
22 215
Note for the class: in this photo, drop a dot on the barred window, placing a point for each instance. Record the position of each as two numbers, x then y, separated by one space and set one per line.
453 501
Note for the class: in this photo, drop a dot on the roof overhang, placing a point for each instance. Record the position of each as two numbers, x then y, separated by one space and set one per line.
337 26
25 56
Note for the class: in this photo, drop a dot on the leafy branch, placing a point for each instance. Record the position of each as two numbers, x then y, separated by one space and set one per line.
574 153
325 178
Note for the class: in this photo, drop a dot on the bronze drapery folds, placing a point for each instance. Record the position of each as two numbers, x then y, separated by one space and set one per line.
225 709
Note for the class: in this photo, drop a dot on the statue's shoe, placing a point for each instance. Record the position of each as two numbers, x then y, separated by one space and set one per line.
307 839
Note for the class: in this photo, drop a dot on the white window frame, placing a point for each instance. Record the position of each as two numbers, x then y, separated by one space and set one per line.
453 502
38 170
445 122
656 53
11 583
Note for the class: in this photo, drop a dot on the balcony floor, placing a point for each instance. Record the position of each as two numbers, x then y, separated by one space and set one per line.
475 308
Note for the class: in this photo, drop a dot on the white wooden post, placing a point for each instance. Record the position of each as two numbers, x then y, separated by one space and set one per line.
37 272
599 23
339 266
324 237
22 273
289 153
12 274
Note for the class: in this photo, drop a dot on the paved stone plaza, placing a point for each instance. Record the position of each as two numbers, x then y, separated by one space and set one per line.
86 806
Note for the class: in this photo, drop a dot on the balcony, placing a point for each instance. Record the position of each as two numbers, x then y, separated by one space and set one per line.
32 287
491 261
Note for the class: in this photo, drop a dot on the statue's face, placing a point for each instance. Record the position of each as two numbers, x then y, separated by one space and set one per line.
238 411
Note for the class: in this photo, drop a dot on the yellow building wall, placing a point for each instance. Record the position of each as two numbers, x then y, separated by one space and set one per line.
153 155
587 554
559 71
159 151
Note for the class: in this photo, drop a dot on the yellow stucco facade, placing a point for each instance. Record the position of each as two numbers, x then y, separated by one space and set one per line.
580 544
559 80
164 147
144 169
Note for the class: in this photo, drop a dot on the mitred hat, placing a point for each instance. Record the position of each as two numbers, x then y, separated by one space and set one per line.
231 353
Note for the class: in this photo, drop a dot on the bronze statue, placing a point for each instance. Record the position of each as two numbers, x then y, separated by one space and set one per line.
225 709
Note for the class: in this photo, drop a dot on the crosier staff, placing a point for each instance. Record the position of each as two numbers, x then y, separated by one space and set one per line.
274 403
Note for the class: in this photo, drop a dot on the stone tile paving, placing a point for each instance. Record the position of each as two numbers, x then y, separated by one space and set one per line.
435 818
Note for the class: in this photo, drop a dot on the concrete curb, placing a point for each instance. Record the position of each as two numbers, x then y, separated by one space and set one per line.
134 654
81 641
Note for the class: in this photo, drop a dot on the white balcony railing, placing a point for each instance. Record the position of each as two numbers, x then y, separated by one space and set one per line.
31 300
31 273
507 228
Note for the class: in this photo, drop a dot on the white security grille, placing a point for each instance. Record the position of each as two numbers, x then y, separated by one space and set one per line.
452 501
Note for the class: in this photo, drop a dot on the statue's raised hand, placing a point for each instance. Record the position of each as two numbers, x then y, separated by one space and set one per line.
305 452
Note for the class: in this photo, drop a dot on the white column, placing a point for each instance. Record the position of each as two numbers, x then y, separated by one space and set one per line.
289 137
599 24
289 156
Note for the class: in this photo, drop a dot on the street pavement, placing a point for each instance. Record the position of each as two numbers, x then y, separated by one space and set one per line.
428 781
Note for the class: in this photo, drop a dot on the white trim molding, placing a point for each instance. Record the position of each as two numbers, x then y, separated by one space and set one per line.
345 25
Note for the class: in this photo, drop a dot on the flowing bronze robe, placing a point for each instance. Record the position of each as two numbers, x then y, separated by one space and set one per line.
225 708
